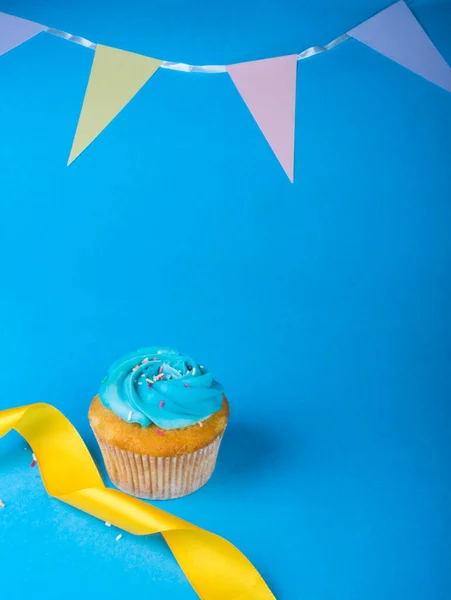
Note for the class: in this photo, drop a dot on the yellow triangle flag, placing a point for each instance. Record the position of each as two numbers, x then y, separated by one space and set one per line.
116 77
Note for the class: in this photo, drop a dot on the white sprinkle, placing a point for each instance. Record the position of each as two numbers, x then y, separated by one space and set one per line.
118 537
193 371
160 351
201 367
107 524
34 458
129 418
140 382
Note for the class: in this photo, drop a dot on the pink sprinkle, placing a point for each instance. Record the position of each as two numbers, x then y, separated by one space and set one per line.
162 404
160 370
146 360
34 463
187 385
155 358
159 432
149 385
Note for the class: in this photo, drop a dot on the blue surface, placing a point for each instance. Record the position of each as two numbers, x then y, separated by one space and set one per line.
178 227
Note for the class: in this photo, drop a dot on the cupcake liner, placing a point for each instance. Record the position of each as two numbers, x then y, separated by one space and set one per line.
159 477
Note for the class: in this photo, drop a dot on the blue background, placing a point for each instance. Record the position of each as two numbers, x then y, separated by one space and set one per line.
323 307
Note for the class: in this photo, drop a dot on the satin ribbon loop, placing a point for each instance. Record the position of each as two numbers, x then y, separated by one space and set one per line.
214 567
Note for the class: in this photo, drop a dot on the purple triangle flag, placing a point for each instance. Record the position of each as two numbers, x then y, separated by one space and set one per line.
268 87
14 31
395 33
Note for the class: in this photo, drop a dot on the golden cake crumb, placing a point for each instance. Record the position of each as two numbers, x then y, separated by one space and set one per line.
154 440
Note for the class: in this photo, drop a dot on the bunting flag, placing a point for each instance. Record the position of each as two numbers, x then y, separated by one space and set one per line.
396 33
268 87
116 77
15 31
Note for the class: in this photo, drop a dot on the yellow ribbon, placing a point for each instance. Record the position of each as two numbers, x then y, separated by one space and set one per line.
215 568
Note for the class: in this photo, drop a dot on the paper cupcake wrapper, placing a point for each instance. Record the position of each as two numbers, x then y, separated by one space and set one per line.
159 477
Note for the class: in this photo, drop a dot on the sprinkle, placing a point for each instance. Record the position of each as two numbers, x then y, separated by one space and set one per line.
149 380
149 385
162 404
34 457
104 379
160 370
2 504
129 418
34 463
201 424
190 368
135 368
155 358
187 385
146 360
159 432
107 524
201 367
193 372
118 537
140 382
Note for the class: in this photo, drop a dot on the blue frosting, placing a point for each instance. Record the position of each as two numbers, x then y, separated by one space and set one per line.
161 386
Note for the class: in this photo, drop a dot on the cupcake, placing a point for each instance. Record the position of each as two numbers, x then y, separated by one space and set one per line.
159 419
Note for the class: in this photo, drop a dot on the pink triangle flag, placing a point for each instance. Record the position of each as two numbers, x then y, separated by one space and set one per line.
268 87
396 33
14 31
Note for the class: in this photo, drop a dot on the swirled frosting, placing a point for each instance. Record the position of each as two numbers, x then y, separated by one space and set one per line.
161 386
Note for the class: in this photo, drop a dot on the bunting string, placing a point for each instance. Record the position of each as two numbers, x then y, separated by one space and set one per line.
177 66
